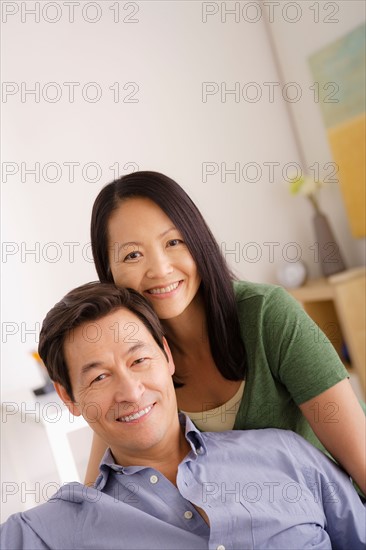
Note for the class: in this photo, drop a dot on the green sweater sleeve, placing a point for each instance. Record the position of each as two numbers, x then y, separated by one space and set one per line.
286 351
302 357
289 360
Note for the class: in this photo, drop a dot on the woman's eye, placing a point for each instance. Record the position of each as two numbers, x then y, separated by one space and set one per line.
133 255
174 242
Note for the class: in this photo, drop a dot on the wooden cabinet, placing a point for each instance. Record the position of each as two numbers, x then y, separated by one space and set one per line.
338 305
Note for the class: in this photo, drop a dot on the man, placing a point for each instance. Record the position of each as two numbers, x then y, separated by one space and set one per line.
162 483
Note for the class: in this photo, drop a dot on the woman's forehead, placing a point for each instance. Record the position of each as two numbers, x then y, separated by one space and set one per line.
138 215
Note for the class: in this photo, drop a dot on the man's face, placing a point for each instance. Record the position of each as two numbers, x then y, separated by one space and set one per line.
122 385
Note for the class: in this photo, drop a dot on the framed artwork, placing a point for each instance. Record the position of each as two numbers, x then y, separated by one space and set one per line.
339 76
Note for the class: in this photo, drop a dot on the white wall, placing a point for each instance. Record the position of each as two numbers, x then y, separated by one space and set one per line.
169 53
321 24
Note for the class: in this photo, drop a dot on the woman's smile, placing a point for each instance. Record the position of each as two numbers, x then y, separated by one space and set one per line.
164 291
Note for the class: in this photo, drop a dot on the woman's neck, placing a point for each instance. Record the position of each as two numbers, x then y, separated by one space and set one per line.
187 333
195 368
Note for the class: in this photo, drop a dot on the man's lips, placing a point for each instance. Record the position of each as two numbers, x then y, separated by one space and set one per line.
163 289
136 416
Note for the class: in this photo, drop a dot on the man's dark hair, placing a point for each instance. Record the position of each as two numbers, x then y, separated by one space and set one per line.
223 326
86 303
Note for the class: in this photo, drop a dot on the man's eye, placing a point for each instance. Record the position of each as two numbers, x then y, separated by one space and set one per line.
132 256
140 361
99 378
174 242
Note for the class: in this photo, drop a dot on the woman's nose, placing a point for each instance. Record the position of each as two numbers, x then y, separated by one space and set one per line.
159 266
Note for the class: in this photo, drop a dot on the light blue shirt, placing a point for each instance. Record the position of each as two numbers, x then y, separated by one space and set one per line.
259 488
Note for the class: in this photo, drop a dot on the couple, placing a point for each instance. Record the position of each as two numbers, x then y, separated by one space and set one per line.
163 484
148 235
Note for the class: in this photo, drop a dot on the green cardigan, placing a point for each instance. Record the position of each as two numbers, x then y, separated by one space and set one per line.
289 361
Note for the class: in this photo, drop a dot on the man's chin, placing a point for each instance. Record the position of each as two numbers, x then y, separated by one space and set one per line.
135 454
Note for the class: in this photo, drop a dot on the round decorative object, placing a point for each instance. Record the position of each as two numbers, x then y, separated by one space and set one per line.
292 275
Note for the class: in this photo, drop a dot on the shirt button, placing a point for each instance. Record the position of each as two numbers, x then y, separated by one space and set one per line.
188 514
154 479
220 547
200 451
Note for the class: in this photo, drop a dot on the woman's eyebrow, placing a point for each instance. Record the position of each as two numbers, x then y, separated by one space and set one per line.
172 228
137 243
125 245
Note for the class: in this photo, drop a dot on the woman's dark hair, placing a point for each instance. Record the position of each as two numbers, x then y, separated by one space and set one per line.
223 327
86 303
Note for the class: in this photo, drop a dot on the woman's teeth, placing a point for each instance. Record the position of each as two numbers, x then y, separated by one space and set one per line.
163 290
135 416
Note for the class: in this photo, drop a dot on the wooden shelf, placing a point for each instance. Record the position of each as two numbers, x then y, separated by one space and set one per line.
338 306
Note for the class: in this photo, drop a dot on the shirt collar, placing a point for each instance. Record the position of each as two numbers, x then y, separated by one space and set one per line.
191 433
107 464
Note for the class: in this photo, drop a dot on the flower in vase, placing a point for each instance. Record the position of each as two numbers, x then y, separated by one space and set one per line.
308 187
331 260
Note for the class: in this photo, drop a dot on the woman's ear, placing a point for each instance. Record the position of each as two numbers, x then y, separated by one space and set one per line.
170 357
70 404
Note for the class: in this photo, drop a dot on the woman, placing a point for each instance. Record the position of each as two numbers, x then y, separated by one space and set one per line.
245 354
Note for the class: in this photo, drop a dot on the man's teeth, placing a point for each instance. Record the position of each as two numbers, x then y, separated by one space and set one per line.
169 288
136 415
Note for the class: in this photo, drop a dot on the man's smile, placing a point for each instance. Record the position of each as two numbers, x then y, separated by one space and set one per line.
136 416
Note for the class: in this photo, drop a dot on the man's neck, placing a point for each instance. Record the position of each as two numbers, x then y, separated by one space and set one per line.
164 458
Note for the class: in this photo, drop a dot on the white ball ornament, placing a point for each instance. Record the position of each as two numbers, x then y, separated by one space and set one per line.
292 275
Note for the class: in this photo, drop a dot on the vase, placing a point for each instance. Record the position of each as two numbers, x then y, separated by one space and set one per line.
329 254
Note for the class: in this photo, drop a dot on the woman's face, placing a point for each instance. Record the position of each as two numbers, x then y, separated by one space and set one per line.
147 253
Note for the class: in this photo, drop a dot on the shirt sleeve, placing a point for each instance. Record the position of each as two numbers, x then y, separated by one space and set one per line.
344 510
302 357
16 534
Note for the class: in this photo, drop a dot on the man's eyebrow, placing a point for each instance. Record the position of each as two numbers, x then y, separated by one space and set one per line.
137 243
95 364
89 366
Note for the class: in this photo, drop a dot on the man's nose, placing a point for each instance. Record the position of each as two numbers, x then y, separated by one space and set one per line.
129 389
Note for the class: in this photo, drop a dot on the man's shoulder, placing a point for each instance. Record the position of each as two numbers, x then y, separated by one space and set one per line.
52 523
265 434
268 448
277 441
70 495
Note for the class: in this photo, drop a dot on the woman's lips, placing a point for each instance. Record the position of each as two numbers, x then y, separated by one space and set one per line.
164 291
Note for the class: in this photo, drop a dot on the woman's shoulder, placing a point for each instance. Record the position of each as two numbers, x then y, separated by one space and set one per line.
246 290
265 301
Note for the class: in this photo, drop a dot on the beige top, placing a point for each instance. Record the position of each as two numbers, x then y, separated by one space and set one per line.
221 418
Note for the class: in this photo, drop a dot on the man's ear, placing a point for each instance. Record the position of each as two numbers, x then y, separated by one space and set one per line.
70 404
170 357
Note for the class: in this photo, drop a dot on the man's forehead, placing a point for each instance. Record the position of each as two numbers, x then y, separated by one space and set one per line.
120 326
